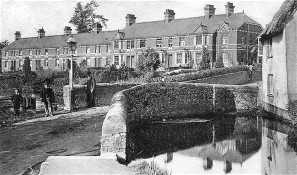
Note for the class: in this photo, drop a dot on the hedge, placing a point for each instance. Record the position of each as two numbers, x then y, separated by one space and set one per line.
204 74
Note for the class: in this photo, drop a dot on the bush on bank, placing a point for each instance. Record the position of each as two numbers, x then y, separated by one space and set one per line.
204 74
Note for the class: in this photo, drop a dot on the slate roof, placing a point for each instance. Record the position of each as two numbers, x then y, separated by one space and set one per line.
280 19
103 37
184 26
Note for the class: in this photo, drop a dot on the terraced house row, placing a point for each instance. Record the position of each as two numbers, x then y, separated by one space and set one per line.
179 42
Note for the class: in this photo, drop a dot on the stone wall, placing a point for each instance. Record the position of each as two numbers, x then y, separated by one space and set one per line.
229 79
103 94
160 101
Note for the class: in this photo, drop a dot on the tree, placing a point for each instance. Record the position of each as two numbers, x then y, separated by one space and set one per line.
148 61
84 17
27 67
204 64
219 63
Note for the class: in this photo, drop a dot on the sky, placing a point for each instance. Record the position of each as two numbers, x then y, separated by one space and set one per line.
29 16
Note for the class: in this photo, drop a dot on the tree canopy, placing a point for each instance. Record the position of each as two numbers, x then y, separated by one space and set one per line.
85 17
4 44
148 61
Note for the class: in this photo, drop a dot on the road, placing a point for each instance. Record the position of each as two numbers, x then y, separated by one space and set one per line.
31 142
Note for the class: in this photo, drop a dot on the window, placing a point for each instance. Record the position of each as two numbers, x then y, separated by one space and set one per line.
270 84
162 58
21 62
206 40
116 60
198 39
128 44
88 62
132 44
96 49
251 39
270 55
116 44
225 57
198 57
46 63
187 57
30 52
21 52
6 53
142 43
170 42
159 42
13 53
224 39
57 63
179 58
39 52
57 51
5 63
181 41
46 51
88 49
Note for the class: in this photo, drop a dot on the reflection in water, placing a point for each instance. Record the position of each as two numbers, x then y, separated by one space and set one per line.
279 149
230 144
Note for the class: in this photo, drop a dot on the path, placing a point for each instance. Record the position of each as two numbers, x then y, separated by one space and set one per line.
32 141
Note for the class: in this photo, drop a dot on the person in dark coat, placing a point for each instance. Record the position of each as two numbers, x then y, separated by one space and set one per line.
91 83
48 98
17 99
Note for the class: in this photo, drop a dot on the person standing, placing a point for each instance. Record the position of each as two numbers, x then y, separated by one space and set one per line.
90 91
48 98
17 99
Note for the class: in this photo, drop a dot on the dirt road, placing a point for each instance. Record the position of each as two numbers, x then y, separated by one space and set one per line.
29 143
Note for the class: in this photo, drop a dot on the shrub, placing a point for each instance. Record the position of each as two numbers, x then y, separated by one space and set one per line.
204 64
204 74
220 63
148 61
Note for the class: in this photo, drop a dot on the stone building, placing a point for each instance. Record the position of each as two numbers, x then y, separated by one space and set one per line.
279 70
179 42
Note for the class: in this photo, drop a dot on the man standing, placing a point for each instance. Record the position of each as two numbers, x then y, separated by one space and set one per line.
91 83
17 100
48 98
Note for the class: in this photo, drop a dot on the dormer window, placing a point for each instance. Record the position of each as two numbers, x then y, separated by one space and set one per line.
116 44
198 39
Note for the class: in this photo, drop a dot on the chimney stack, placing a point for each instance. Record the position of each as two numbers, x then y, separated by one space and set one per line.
41 33
209 11
97 28
67 30
17 35
130 19
229 9
169 15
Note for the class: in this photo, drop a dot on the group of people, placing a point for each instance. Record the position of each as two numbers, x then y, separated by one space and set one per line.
48 96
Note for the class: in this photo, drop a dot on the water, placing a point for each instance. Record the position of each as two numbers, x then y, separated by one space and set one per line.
228 144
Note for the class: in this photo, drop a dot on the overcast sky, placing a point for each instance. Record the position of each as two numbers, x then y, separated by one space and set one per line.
29 16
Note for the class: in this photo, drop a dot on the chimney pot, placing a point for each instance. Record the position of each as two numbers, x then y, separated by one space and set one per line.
169 15
67 30
130 19
229 9
17 35
97 28
41 33
209 11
